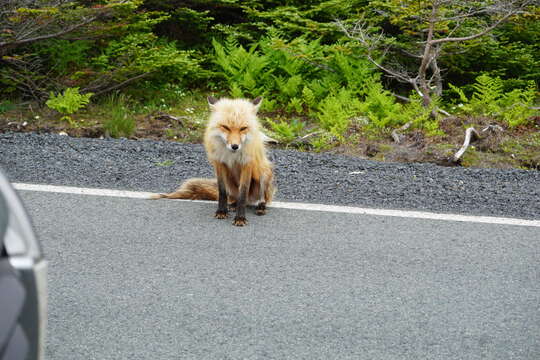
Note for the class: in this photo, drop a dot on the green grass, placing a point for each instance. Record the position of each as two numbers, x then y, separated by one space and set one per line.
5 106
165 163
119 119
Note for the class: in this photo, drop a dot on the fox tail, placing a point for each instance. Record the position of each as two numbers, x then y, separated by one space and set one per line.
193 189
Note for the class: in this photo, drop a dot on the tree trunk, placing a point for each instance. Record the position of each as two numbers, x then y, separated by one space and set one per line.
427 57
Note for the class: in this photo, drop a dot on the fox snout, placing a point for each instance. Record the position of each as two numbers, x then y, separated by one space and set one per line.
234 136
234 140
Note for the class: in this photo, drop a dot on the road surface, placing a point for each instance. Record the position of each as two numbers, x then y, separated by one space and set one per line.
139 279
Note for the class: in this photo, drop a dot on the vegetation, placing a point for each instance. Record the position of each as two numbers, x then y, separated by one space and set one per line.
335 74
489 99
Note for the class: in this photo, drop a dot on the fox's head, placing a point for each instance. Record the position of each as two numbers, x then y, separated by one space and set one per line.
234 121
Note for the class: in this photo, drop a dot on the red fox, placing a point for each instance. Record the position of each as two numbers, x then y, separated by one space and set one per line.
236 148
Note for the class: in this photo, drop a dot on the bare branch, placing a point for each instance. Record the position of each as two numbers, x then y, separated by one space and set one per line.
512 8
446 113
427 79
48 36
396 132
359 33
124 83
470 13
468 134
493 128
436 76
401 97
407 53
46 26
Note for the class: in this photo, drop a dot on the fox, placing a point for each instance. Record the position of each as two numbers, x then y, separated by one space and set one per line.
236 148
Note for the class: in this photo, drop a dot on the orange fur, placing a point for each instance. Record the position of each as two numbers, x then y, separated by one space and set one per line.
236 148
193 189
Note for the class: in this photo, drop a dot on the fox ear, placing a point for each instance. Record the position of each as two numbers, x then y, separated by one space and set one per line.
211 101
257 102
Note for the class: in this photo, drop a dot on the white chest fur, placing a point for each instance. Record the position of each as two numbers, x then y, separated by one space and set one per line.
228 157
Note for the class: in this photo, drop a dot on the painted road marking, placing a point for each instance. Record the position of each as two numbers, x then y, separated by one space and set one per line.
293 206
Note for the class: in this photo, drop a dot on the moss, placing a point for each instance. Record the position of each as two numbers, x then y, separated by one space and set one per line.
524 150
445 149
471 158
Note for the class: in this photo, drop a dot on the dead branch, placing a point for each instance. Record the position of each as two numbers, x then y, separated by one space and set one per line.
445 113
493 128
267 139
427 79
506 9
468 135
21 74
401 97
310 135
169 117
30 30
396 132
124 83
474 36
6 44
359 33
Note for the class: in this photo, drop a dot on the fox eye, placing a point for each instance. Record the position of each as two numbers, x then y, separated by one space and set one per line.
226 127
243 128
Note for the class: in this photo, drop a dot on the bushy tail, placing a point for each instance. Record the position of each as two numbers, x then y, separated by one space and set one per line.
193 189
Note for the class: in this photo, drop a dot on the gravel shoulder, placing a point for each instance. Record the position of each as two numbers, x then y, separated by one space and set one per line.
158 166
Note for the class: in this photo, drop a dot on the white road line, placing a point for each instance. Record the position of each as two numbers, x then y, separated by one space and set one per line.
82 191
294 206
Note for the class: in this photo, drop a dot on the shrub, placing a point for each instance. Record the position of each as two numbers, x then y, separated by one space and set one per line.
489 99
517 105
297 74
336 110
68 102
63 55
286 131
244 70
381 108
5 106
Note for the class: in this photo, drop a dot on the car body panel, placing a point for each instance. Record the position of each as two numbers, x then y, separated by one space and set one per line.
23 282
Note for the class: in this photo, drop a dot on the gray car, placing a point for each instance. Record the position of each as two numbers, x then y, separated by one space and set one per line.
23 281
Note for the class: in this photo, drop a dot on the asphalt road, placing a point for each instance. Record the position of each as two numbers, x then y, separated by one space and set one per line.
160 166
140 279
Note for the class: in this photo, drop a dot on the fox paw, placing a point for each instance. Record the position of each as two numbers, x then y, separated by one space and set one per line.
240 221
220 214
260 209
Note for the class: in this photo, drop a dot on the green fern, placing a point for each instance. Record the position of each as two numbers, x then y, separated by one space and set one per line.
336 110
460 93
489 99
518 104
290 87
285 131
381 108
308 96
295 105
68 102
487 92
320 88
356 73
415 111
245 70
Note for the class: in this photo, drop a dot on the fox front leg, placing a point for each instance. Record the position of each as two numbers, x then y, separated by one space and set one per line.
240 218
260 209
245 181
232 206
221 212
261 203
